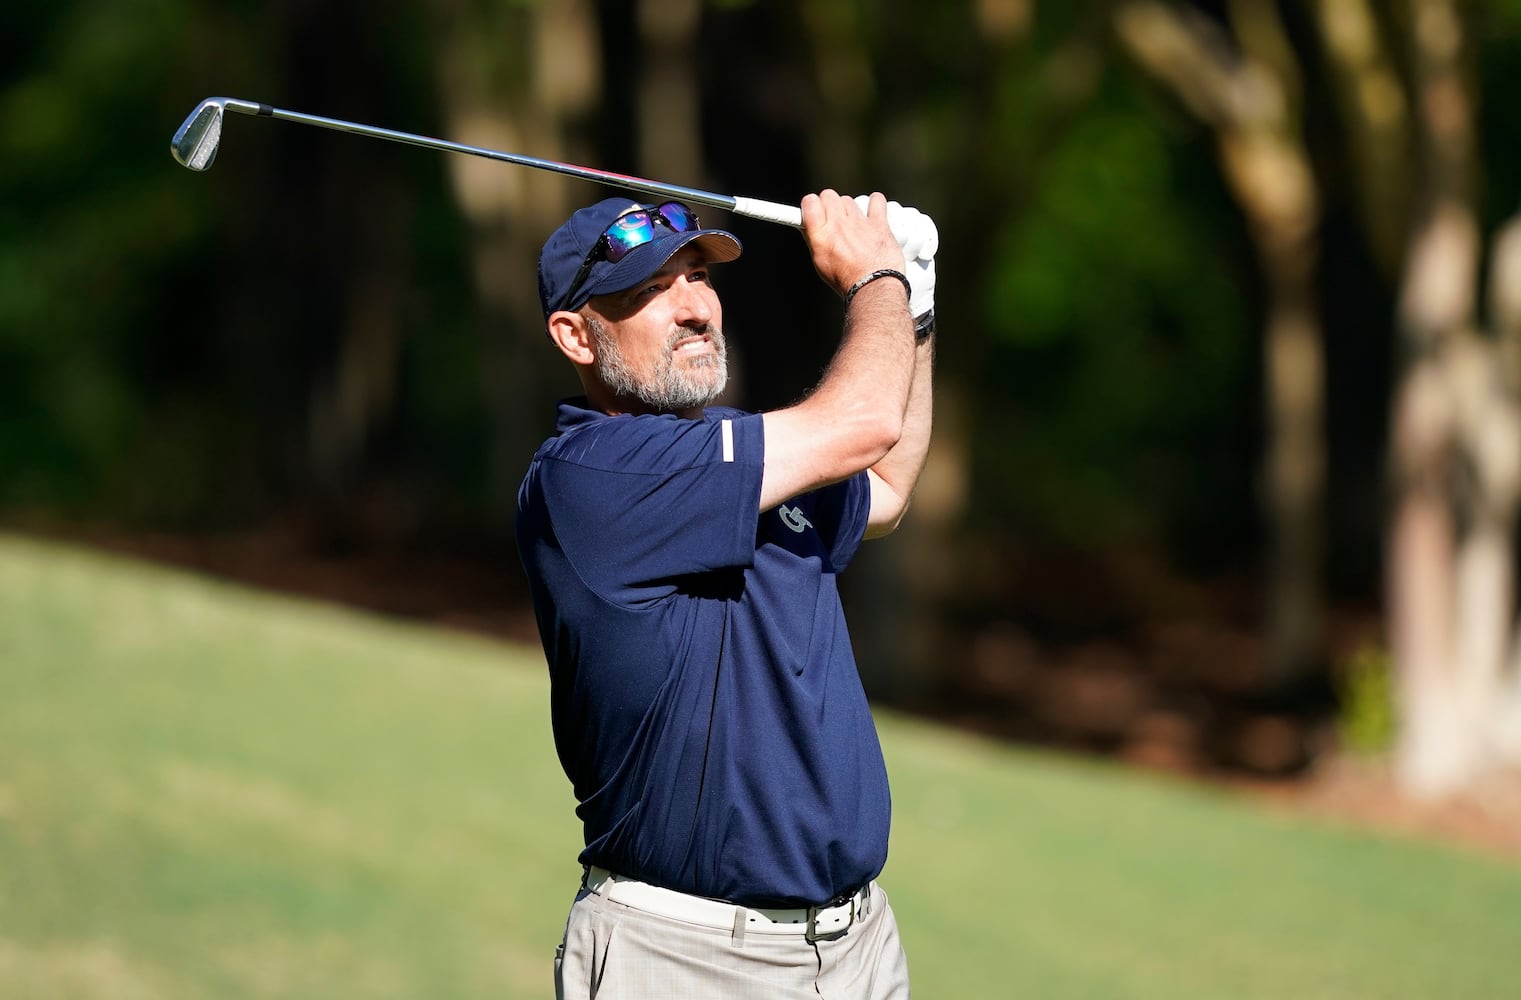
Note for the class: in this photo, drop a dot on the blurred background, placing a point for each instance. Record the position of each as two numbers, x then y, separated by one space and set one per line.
1228 448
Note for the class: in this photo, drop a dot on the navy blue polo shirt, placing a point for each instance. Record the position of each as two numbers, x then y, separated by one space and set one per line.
704 694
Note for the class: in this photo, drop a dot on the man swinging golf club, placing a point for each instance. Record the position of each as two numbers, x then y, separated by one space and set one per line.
683 561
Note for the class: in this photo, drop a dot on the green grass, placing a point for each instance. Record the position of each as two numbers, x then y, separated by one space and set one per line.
211 792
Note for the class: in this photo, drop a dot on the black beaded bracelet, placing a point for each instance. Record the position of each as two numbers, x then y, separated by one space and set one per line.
885 272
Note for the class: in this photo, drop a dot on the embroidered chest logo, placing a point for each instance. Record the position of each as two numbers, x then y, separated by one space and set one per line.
793 518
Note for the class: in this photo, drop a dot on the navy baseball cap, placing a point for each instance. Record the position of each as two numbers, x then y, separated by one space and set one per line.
566 250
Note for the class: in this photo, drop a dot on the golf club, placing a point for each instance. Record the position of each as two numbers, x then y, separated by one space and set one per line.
195 146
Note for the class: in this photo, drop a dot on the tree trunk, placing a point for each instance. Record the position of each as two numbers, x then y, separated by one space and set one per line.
341 359
1246 88
668 126
1420 568
1375 115
516 78
1446 573
1503 447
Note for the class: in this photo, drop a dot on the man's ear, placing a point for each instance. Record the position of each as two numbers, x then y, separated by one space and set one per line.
571 334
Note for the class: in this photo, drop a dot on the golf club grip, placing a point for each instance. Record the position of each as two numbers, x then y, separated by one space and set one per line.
769 211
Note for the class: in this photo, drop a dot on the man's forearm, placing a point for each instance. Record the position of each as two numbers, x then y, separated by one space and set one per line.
896 475
853 419
872 364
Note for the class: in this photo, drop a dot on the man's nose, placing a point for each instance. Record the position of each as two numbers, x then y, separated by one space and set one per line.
693 307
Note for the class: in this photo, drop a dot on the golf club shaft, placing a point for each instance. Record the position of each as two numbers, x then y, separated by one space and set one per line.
789 215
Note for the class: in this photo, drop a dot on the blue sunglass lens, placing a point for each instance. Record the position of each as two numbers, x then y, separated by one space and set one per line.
638 227
680 218
627 232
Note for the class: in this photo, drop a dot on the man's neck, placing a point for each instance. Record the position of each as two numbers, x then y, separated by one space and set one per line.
619 406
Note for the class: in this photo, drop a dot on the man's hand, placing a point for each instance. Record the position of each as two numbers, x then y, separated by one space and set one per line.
848 238
919 239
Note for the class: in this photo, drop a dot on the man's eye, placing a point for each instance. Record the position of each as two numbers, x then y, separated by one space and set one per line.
699 276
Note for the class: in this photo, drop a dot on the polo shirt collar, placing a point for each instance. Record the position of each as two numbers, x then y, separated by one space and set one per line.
576 412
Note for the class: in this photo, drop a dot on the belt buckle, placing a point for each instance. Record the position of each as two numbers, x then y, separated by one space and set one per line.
811 932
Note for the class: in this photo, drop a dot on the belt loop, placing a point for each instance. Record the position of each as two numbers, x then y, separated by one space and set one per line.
741 917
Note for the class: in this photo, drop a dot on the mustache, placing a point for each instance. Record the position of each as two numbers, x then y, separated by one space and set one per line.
679 334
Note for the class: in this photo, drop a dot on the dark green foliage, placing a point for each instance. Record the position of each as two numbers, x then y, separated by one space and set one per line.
161 332
165 337
1120 336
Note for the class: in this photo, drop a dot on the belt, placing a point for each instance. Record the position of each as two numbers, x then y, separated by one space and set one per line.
813 922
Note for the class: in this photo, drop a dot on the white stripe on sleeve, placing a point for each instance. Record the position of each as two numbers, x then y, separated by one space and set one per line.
728 432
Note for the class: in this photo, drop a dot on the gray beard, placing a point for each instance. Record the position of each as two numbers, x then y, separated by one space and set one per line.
673 388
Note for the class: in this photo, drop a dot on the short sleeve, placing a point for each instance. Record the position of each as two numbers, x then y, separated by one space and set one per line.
639 502
840 512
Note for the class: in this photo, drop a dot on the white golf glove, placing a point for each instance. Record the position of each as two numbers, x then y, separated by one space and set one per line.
917 235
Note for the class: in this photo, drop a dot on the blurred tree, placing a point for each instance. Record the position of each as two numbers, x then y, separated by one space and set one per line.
89 367
265 389
331 372
1406 95
327 324
1242 78
1090 341
208 351
1456 449
528 78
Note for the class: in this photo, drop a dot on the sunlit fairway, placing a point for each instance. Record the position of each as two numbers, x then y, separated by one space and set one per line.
207 791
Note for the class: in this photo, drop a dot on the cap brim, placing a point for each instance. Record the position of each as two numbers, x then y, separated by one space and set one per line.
718 246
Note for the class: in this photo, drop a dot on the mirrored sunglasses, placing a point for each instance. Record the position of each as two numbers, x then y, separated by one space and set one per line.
630 230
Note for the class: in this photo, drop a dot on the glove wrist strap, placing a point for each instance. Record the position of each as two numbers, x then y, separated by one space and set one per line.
924 326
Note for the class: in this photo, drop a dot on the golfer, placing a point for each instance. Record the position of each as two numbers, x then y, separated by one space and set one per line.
683 559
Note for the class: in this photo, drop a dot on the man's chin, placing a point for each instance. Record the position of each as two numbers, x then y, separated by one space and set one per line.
710 396
704 373
688 395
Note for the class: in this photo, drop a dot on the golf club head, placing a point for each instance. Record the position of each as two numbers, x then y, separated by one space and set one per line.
195 144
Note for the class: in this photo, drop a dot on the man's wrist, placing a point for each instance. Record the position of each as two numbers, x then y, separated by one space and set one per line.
885 272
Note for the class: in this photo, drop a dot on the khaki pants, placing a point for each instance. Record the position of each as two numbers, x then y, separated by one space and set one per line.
612 951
